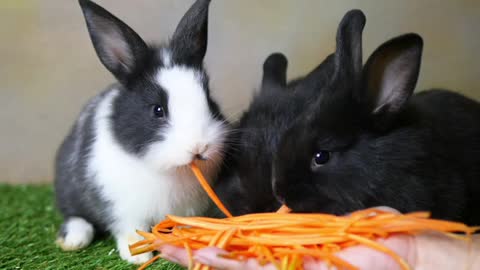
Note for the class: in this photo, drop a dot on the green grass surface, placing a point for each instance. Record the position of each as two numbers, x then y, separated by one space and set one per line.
28 226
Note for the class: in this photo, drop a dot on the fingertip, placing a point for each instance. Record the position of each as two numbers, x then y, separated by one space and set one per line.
312 264
212 250
168 249
208 255
387 209
211 256
174 254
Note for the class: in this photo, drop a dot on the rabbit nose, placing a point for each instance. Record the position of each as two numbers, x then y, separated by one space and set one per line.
199 151
200 157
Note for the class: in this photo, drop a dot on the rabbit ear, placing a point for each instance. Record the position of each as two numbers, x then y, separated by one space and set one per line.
348 54
391 73
275 71
119 48
189 42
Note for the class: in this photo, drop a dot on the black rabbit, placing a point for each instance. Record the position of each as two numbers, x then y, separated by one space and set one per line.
245 184
366 141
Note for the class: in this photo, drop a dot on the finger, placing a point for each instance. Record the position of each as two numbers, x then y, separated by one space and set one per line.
381 208
174 254
211 256
361 257
366 258
387 209
312 264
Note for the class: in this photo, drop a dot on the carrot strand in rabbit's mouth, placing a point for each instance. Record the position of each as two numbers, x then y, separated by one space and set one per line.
204 183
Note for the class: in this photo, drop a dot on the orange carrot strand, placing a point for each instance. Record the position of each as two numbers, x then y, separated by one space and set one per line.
204 183
285 239
152 260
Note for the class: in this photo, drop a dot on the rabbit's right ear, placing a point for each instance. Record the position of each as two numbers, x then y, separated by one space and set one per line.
275 71
391 73
190 39
119 48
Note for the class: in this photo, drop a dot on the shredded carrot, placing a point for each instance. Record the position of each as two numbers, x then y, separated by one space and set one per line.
190 255
204 183
284 239
152 260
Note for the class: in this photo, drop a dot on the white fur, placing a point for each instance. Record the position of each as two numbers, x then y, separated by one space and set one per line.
78 234
192 129
166 57
139 195
142 190
123 241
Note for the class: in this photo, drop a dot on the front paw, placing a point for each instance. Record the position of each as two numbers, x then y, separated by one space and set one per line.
75 233
137 259
122 245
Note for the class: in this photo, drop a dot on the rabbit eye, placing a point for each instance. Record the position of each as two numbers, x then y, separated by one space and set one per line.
320 158
158 111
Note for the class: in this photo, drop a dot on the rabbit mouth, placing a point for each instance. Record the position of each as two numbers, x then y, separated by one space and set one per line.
209 163
305 200
310 206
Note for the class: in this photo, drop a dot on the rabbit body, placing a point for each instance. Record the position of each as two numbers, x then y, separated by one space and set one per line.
366 141
245 183
124 165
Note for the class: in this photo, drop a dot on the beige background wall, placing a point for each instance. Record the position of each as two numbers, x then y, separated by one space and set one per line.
49 69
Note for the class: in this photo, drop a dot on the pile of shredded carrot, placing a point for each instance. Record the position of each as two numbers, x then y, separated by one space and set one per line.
284 238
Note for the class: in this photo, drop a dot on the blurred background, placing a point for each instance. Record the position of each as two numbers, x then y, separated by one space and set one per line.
49 69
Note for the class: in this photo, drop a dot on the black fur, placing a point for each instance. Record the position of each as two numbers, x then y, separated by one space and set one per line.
189 42
418 153
245 185
75 194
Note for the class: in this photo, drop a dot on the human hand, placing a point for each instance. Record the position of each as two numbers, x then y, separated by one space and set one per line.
425 251
360 256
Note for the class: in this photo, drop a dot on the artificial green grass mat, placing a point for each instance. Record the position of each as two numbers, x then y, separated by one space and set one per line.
28 226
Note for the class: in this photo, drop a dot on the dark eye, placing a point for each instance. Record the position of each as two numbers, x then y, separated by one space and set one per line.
320 158
158 111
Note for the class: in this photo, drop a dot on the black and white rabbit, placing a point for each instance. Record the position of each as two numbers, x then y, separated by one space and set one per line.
124 164
367 141
245 184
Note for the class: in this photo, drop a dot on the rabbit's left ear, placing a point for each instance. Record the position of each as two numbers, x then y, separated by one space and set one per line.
348 53
189 42
275 71
391 73
119 48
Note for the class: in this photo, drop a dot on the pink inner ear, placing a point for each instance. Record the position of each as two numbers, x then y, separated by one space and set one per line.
123 59
114 45
118 51
388 78
392 82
